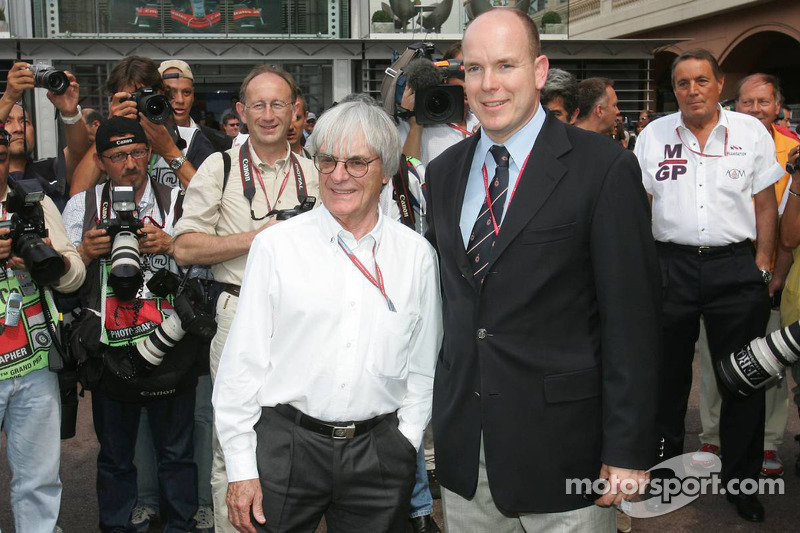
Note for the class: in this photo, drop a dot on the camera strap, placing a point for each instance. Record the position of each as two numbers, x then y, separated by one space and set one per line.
248 186
402 195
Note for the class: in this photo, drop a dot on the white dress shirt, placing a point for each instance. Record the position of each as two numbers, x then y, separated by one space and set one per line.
312 332
706 200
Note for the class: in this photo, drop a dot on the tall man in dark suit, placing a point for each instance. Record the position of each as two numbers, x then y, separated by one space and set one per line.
548 368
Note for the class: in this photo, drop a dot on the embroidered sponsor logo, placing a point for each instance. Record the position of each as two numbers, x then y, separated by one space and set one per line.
735 173
673 164
736 150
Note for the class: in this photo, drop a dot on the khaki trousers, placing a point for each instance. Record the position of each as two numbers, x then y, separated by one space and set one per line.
226 308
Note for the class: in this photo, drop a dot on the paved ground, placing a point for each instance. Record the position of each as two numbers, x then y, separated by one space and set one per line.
79 505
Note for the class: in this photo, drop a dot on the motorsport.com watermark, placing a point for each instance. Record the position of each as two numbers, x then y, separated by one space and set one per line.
687 483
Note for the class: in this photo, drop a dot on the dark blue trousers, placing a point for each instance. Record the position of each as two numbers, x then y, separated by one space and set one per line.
171 424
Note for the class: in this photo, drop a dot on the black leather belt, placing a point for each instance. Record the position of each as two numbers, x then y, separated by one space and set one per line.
706 251
334 430
231 288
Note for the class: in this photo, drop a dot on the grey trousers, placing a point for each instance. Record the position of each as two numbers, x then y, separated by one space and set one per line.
358 484
480 515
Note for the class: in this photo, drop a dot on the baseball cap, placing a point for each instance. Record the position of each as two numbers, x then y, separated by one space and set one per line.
311 117
118 127
182 66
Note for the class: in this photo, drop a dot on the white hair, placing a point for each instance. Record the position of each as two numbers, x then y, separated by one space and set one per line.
349 122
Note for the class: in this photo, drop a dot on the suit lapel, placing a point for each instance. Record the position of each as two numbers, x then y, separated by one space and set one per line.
537 182
461 173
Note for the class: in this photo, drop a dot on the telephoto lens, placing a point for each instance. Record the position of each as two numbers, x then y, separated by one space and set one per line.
161 340
760 362
126 274
49 78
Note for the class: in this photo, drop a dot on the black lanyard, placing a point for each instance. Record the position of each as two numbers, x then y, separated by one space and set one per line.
402 195
249 187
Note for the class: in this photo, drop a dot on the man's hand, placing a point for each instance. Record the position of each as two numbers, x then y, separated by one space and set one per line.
20 79
409 99
160 140
122 106
242 495
155 240
619 480
95 243
5 244
67 103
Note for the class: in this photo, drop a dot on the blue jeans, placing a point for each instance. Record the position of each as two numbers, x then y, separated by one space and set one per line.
145 458
30 415
421 499
117 425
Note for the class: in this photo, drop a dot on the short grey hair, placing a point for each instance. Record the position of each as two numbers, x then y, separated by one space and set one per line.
561 84
339 127
361 97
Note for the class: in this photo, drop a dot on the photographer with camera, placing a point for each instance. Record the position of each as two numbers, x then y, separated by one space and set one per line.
30 405
139 93
223 212
122 232
55 173
426 141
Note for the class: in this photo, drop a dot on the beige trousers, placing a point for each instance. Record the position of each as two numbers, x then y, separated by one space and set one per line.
226 308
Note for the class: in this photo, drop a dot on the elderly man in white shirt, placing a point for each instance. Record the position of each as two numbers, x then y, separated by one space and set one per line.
325 384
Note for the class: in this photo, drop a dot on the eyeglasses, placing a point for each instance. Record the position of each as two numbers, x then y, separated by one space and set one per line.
119 157
276 105
356 166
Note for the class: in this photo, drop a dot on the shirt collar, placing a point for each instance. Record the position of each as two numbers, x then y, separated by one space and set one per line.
278 162
331 229
721 121
520 144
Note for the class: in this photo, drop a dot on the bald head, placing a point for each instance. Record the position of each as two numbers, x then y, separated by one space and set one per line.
502 76
507 16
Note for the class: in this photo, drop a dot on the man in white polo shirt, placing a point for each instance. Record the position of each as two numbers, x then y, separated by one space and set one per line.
710 174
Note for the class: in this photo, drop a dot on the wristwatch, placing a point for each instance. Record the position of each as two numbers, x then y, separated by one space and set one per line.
177 163
767 275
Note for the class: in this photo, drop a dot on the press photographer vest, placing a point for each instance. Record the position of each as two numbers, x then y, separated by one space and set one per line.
125 323
24 347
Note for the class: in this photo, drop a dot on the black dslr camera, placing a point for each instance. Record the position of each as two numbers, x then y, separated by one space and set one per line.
286 214
27 230
189 302
49 78
126 273
153 105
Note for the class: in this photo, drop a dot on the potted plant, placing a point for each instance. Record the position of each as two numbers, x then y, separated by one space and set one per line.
382 22
551 23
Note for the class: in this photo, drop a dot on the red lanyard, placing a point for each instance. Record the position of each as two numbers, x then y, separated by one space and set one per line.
462 130
701 154
489 197
263 188
378 283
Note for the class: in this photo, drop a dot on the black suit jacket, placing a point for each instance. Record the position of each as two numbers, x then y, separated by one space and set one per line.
563 375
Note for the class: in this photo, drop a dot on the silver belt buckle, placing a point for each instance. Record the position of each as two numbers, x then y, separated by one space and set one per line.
701 249
344 432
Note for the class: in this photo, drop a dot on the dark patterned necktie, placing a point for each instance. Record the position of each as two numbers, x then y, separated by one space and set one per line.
481 240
